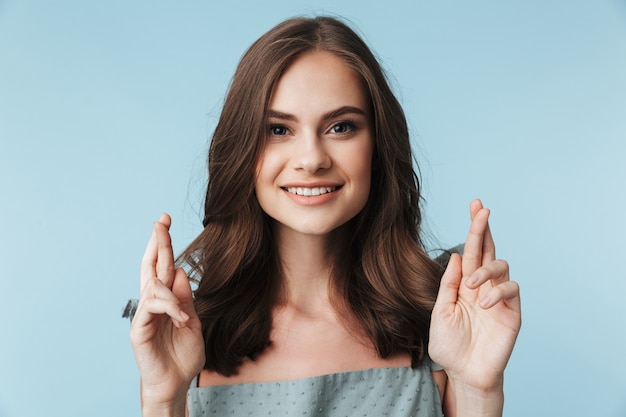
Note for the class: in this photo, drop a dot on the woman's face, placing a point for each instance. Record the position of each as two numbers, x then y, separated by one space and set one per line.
314 173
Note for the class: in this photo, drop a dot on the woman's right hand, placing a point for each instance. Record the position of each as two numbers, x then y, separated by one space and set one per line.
166 333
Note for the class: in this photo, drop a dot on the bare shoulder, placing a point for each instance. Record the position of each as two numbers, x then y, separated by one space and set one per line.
441 378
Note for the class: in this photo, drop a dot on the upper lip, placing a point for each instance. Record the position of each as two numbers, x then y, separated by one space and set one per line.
310 185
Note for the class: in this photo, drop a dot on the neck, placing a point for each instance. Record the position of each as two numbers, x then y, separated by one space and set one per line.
307 268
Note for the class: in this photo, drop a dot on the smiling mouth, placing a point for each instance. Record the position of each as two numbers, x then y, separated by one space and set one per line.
310 192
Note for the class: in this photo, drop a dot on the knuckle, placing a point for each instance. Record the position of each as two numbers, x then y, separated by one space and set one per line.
497 292
165 268
503 264
482 274
149 288
150 282
153 306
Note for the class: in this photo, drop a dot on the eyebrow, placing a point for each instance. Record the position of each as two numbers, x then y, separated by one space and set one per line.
330 115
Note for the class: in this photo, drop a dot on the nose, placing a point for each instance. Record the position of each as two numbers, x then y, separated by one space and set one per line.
310 154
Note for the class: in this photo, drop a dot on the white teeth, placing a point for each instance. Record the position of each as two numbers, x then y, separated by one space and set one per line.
311 191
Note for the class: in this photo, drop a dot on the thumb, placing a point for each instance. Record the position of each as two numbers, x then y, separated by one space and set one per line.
450 282
182 290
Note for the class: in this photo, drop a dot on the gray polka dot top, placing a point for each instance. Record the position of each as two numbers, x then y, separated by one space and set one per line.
394 392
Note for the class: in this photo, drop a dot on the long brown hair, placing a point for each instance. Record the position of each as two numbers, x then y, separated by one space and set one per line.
386 278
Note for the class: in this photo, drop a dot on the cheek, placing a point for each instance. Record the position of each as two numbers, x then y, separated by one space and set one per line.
362 167
261 166
267 169
258 171
257 178
361 171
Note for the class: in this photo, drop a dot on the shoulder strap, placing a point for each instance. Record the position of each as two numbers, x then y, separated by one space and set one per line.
444 257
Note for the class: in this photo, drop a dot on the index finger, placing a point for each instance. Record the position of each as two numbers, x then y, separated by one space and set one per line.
148 262
155 250
165 254
474 245
489 247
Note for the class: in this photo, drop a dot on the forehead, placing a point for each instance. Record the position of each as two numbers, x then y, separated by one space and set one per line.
316 80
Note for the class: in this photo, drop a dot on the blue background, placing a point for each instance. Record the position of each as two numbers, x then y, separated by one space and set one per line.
105 113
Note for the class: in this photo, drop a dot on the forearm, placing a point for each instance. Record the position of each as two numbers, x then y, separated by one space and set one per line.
462 400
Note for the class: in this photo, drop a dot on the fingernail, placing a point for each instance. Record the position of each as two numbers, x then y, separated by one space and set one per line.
472 281
184 315
485 302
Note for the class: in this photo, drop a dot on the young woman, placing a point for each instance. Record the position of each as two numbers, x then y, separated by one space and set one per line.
315 295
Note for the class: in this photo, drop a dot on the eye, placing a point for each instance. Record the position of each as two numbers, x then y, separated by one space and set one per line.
342 127
278 130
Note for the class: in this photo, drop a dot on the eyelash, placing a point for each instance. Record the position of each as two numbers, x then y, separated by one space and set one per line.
347 125
272 130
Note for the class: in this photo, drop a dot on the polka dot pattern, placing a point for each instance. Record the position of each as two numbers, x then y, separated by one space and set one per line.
393 392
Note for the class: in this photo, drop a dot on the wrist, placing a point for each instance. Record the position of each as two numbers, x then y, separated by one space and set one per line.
157 406
477 401
163 410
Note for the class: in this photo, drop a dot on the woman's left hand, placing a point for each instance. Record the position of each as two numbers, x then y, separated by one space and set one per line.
477 315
